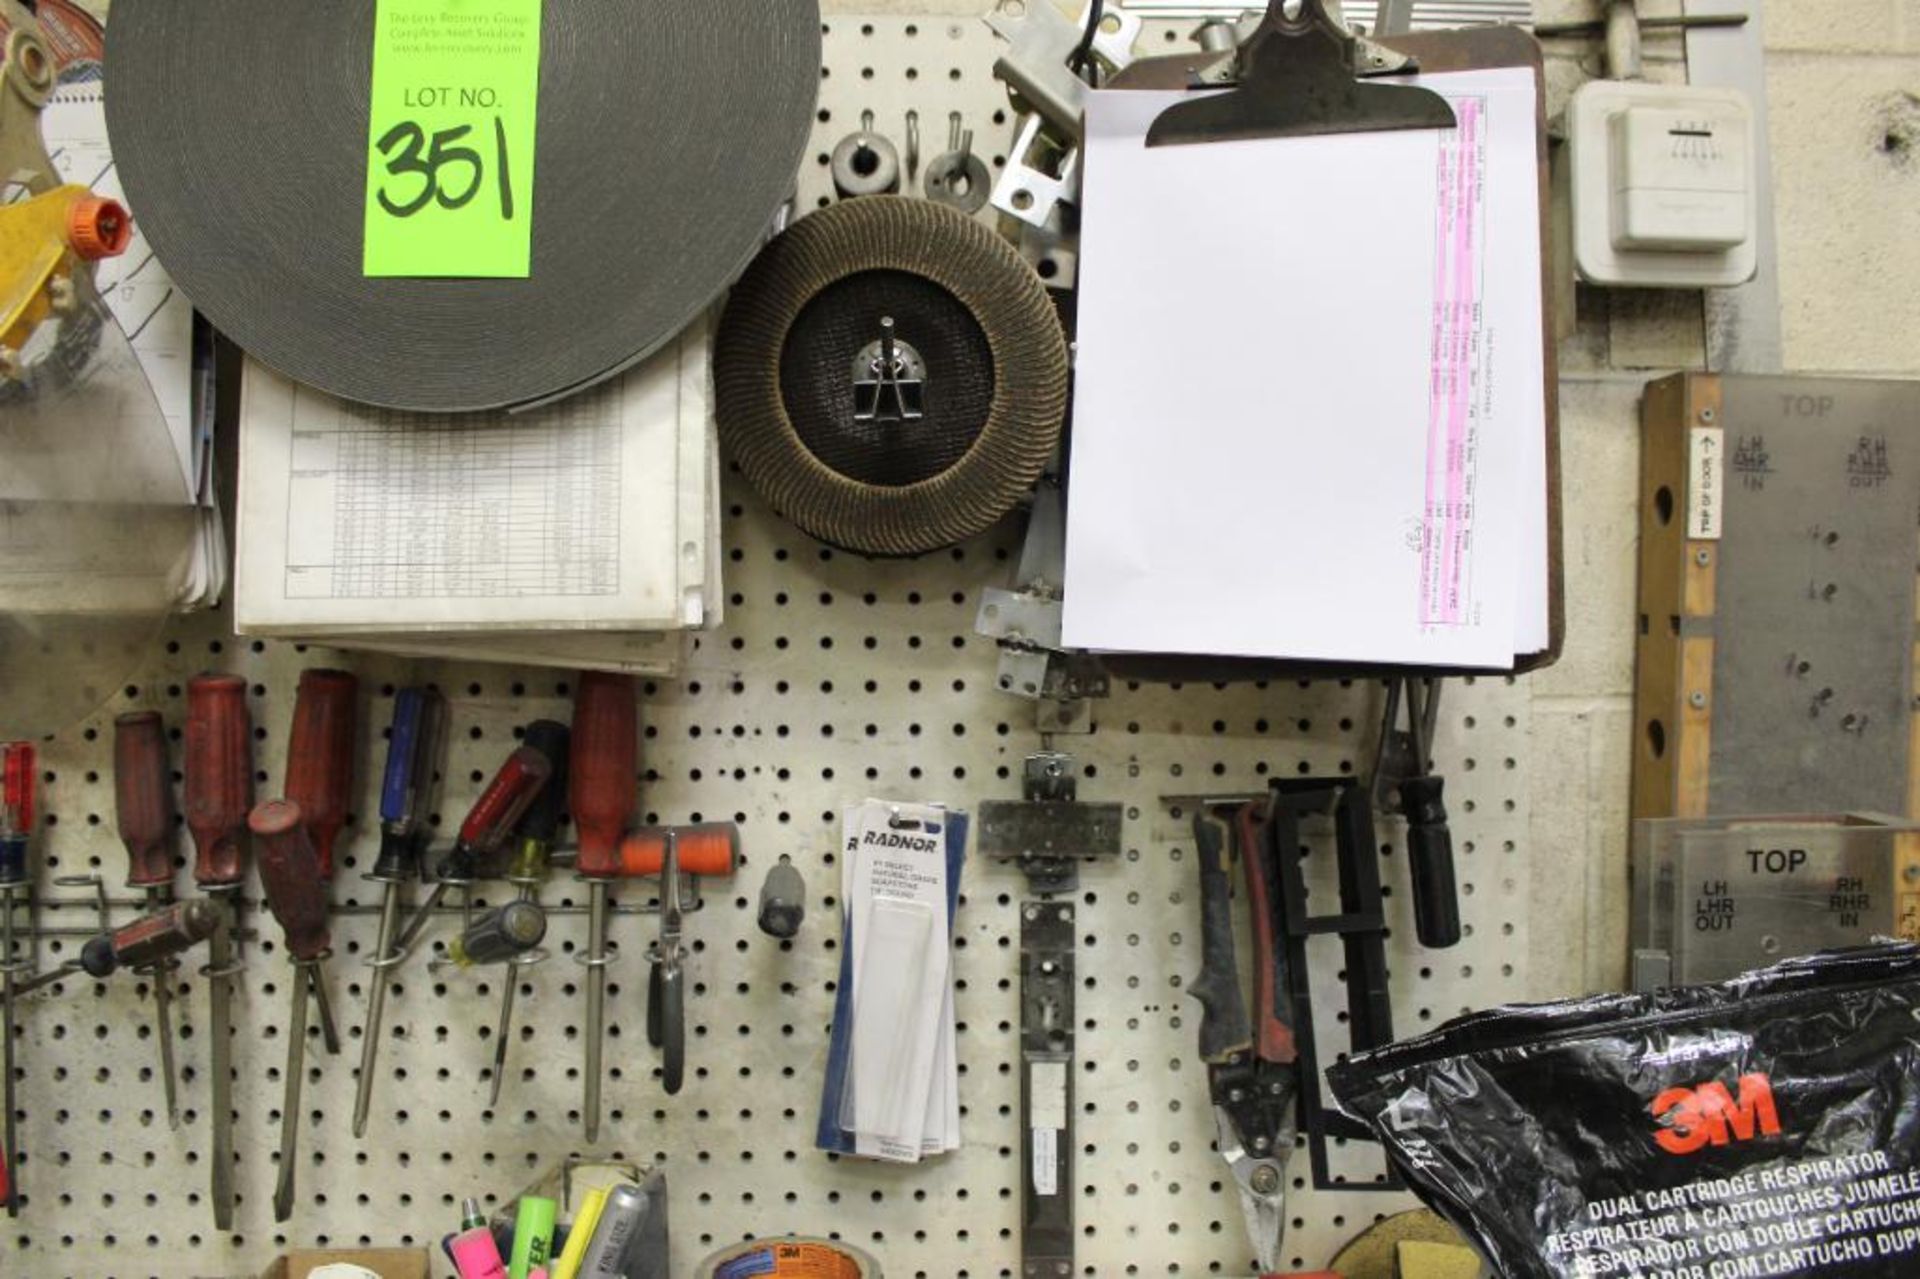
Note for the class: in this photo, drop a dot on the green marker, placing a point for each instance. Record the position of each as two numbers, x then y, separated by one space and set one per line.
532 1236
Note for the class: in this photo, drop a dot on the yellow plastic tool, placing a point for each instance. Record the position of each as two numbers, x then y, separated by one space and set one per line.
42 241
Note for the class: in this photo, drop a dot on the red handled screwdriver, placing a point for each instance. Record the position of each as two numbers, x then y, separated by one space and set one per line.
145 816
219 793
488 824
320 779
18 773
320 757
601 785
290 876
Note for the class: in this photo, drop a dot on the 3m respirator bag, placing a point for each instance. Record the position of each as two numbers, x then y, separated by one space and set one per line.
1765 1126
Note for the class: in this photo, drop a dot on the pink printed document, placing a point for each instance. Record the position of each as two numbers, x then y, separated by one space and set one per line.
1310 416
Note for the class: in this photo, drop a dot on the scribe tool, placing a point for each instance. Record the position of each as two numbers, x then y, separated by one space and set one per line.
219 792
528 872
144 813
406 798
603 769
18 773
290 876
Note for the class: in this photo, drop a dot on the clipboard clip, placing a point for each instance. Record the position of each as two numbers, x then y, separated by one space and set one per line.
1299 76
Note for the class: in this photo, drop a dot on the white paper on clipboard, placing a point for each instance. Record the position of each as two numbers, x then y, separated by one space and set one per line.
1310 416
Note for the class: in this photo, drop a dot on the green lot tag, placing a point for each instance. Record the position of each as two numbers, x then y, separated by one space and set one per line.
456 89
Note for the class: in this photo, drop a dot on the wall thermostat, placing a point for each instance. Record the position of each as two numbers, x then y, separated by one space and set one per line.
1664 182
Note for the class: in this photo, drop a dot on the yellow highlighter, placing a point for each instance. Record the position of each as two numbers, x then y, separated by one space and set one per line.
580 1234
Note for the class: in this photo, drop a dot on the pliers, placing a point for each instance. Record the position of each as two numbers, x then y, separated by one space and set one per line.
1252 1069
666 982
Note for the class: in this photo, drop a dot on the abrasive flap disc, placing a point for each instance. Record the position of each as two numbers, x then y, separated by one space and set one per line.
891 376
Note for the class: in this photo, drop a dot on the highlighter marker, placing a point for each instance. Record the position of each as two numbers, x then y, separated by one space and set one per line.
475 1254
532 1236
580 1234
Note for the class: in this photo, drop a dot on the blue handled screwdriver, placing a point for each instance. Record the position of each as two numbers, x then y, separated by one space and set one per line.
406 798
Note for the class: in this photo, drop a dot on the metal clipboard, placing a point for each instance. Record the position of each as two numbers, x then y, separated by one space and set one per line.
1308 75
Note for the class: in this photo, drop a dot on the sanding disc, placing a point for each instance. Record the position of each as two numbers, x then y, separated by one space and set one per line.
669 133
953 432
1373 1254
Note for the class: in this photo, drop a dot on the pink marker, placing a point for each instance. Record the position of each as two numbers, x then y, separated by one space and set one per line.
475 1254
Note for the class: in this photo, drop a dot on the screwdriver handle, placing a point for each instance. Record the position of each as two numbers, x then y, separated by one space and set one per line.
604 769
290 874
711 850
219 776
505 800
152 939
501 935
320 757
143 798
1436 897
19 773
1273 1038
406 792
783 901
542 820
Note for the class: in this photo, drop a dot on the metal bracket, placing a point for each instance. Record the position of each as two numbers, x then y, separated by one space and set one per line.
26 78
1046 1089
1049 833
1042 41
1026 622
1043 166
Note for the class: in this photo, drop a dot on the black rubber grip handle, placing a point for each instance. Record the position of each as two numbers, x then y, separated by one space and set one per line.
1436 896
1224 1029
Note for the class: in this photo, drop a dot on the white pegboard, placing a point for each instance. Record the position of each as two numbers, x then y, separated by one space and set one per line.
835 678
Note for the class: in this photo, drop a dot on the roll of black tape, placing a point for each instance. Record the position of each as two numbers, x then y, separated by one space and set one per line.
669 133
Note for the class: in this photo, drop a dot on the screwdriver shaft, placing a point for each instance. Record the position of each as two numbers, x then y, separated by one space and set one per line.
12 1152
421 916
329 1031
512 979
596 998
163 1017
220 1026
376 1009
290 1103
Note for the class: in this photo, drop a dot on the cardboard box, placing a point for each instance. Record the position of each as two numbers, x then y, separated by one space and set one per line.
388 1263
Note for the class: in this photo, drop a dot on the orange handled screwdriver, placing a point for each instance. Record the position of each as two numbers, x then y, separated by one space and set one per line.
320 757
601 777
671 852
290 875
144 812
219 792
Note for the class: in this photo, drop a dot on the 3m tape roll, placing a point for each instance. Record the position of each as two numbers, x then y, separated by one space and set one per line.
790 1259
669 133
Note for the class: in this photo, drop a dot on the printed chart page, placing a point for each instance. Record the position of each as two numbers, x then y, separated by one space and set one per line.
357 519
